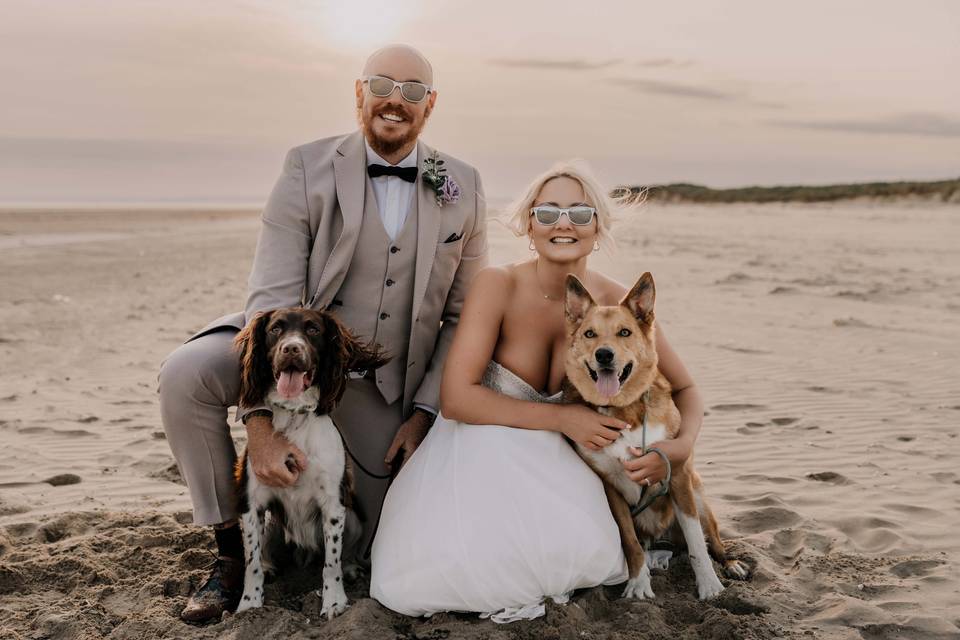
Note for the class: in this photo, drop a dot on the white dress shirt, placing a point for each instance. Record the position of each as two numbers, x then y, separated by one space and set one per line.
394 195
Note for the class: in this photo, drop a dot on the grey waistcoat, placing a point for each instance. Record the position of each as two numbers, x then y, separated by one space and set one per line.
376 298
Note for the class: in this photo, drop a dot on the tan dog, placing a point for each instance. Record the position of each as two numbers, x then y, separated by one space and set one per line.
611 366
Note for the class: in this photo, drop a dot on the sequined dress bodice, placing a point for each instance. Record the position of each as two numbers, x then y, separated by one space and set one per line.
502 380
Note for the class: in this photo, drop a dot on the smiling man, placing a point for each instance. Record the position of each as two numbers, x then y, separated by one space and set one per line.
385 233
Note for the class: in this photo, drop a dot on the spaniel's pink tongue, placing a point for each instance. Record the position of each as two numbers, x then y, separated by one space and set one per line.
290 384
608 384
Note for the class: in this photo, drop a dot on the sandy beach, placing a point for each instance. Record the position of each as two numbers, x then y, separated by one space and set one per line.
825 339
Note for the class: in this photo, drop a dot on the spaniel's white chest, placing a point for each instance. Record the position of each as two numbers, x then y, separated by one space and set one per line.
320 482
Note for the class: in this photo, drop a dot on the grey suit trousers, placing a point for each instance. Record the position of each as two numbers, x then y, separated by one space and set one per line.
198 383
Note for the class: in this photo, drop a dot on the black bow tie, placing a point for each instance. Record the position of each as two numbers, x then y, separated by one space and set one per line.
404 173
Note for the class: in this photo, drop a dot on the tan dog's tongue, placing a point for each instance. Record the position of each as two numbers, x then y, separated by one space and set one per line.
290 384
608 384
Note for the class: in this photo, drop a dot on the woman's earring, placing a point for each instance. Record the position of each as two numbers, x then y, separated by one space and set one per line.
531 247
596 246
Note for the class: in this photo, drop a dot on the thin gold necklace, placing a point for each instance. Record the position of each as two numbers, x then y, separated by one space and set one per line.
536 269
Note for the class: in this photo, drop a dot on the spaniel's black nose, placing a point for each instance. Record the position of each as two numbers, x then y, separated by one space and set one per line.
291 348
604 356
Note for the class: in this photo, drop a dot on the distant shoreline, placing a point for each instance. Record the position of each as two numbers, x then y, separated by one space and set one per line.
936 191
943 191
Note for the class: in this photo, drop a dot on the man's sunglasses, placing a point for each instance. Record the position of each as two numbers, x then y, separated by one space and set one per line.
548 214
382 87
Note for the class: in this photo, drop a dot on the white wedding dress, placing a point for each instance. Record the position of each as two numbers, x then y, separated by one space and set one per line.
493 519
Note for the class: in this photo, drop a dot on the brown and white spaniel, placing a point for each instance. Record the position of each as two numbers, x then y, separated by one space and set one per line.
297 361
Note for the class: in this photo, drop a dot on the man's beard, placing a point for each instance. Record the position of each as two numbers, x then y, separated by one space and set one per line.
385 147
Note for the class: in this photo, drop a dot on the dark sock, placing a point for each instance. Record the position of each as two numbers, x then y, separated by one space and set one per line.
229 542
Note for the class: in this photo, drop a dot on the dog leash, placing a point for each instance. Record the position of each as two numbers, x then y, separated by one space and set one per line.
647 498
356 460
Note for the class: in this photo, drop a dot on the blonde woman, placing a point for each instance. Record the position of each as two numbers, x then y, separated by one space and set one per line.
495 511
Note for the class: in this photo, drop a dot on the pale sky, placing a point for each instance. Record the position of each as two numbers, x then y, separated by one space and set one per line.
178 100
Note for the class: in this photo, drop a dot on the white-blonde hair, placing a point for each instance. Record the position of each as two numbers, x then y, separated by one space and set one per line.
516 215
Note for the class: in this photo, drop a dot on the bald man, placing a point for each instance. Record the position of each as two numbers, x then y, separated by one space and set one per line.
352 226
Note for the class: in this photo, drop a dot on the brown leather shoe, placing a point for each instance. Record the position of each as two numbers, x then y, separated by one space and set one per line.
221 592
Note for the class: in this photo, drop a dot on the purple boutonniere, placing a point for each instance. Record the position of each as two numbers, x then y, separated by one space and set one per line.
445 188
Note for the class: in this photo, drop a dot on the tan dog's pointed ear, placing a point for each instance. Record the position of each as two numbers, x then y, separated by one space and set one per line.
578 302
640 299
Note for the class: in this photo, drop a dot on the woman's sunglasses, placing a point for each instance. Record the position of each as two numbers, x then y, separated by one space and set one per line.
382 87
548 214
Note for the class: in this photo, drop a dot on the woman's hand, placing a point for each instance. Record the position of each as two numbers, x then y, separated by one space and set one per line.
588 428
650 469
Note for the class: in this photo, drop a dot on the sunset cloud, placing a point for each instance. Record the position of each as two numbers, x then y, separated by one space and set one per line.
566 65
662 87
907 124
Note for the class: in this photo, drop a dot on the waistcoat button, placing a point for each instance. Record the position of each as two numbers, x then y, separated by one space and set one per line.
394 249
389 282
384 315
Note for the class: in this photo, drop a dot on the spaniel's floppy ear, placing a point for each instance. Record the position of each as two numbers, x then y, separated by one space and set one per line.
340 358
364 356
578 302
256 372
639 300
355 355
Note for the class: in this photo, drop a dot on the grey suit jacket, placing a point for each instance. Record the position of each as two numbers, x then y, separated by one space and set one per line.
310 228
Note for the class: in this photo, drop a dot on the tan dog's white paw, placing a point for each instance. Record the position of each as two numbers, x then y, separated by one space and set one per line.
737 570
639 587
709 587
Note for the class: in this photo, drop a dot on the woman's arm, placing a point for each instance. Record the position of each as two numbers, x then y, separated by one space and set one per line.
690 404
464 398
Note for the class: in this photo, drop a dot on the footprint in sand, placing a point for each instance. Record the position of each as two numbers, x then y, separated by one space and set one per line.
63 479
734 278
741 406
782 422
915 568
32 430
830 477
851 322
781 290
766 519
77 433
759 477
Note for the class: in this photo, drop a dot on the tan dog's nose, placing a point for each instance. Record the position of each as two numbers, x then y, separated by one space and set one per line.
604 356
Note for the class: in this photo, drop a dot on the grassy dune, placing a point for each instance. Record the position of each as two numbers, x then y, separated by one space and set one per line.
940 191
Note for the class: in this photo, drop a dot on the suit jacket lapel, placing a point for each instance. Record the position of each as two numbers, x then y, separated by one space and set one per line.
349 166
428 233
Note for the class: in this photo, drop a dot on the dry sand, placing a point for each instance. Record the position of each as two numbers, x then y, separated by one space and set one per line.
825 339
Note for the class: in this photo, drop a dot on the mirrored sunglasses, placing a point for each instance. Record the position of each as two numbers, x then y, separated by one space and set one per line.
548 214
382 87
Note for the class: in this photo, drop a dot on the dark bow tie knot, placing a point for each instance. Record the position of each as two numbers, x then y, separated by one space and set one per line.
404 173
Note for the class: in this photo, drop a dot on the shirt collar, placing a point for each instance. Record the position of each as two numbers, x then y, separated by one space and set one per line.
373 158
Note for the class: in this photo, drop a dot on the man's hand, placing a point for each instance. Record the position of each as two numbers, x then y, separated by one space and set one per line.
409 436
275 460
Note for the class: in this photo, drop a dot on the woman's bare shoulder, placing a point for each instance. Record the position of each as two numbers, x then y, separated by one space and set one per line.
494 282
607 290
